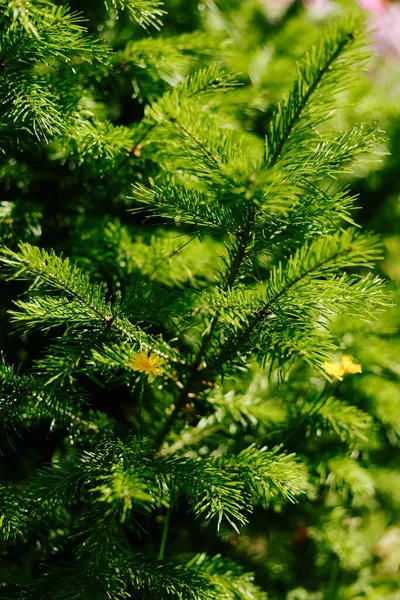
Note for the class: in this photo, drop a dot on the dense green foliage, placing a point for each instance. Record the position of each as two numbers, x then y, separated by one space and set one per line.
199 383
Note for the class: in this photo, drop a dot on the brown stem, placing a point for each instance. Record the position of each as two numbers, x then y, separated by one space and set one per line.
192 380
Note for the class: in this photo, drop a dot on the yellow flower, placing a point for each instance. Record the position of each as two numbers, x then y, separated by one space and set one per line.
347 366
333 369
147 363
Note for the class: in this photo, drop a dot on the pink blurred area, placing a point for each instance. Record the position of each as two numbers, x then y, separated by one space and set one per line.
384 19
319 8
373 5
386 25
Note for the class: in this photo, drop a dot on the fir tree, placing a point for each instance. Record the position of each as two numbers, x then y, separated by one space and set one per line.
181 289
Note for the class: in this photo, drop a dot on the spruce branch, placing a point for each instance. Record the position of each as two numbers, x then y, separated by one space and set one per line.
186 206
324 72
334 156
94 329
145 12
100 141
267 474
37 40
124 477
26 400
201 578
51 273
306 107
183 109
247 411
229 280
60 36
313 212
117 474
65 359
14 510
348 422
284 325
213 494
31 104
204 84
201 146
323 257
159 581
163 61
230 581
290 118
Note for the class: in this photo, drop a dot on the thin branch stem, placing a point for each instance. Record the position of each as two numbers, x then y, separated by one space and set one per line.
230 279
164 537
141 392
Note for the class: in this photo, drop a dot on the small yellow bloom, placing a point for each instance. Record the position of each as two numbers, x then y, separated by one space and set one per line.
147 363
350 367
333 369
347 366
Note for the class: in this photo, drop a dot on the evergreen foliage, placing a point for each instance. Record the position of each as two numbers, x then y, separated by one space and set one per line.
186 289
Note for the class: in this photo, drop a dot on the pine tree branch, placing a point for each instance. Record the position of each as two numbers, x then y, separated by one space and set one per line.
290 119
325 71
196 86
346 249
145 12
194 138
294 117
87 314
229 281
